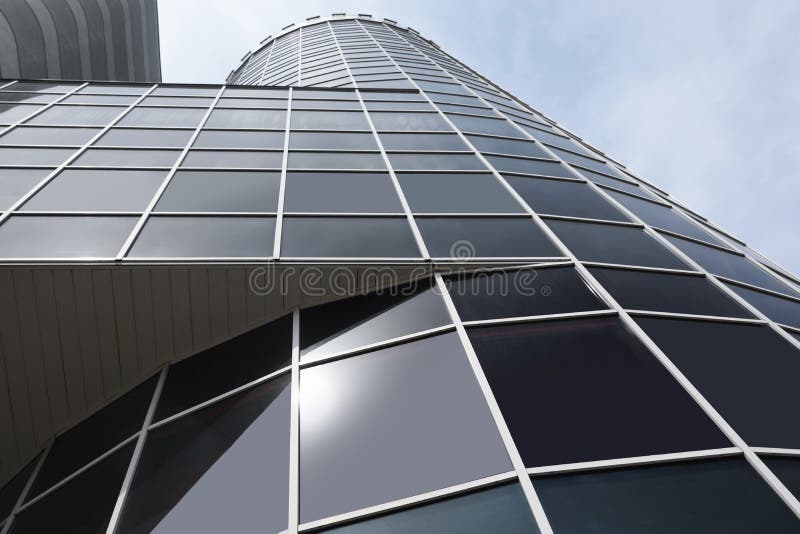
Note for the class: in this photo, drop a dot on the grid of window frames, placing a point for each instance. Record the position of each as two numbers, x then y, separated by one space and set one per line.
371 173
206 442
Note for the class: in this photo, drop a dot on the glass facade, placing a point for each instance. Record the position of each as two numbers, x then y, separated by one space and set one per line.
539 340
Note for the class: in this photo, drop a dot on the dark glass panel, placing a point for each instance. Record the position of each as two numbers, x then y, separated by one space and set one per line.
333 140
239 139
63 236
94 436
83 505
501 145
601 394
11 491
365 319
221 191
691 498
203 237
335 160
77 115
481 125
97 190
614 244
10 113
415 141
728 265
528 166
747 372
14 183
110 157
329 120
144 137
778 309
560 197
247 118
234 159
409 121
787 468
163 117
376 427
441 161
676 293
336 237
456 193
519 293
620 184
225 466
34 156
341 192
469 237
22 135
502 509
226 366
48 87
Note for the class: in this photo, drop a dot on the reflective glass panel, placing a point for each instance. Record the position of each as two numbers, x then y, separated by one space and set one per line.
127 158
429 141
143 137
614 244
456 193
12 489
341 192
561 197
239 139
251 159
63 237
747 372
606 395
14 183
787 468
481 125
247 118
723 495
10 113
34 156
230 191
409 121
23 135
501 145
441 161
329 120
778 309
163 117
77 115
376 427
528 166
333 140
337 237
335 160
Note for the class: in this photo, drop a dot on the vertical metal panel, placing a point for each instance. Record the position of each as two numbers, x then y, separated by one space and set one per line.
86 316
162 314
143 316
200 313
126 327
72 358
256 303
218 303
237 305
107 332
9 455
181 309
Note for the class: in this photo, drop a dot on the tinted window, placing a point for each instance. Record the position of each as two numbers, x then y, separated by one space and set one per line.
468 237
335 237
676 293
97 190
127 158
502 509
247 118
746 372
233 159
600 393
34 156
143 137
63 237
560 197
620 184
329 120
333 140
788 470
11 491
77 115
457 193
341 192
498 294
699 497
163 117
469 123
778 309
410 121
48 136
415 141
728 264
221 191
335 160
227 464
14 183
203 237
514 147
528 166
385 439
239 139
614 244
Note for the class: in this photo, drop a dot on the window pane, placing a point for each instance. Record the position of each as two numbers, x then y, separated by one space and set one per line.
614 244
747 372
247 118
699 497
82 505
77 115
339 237
787 469
94 436
502 509
335 160
34 156
14 183
189 101
63 237
397 106
409 120
183 90
146 138
457 193
601 393
528 166
358 321
121 100
23 135
602 179
481 125
499 294
468 237
205 237
97 190
329 120
114 89
341 192
225 465
415 141
233 159
226 366
127 158
393 434
778 309
333 140
230 191
728 265
675 293
560 197
507 146
324 104
174 117
13 112
10 492
447 162
239 139
662 217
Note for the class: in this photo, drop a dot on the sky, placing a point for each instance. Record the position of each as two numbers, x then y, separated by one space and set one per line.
702 97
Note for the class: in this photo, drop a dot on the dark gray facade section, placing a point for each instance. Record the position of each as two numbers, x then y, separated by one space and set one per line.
80 40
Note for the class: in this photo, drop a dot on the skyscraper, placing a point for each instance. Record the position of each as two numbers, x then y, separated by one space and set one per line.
360 288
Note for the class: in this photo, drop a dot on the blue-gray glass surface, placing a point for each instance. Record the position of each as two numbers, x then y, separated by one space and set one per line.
28 135
606 395
222 468
337 237
64 236
562 197
143 137
470 237
456 193
15 183
696 497
34 155
342 192
228 191
780 310
375 428
501 509
747 372
787 469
